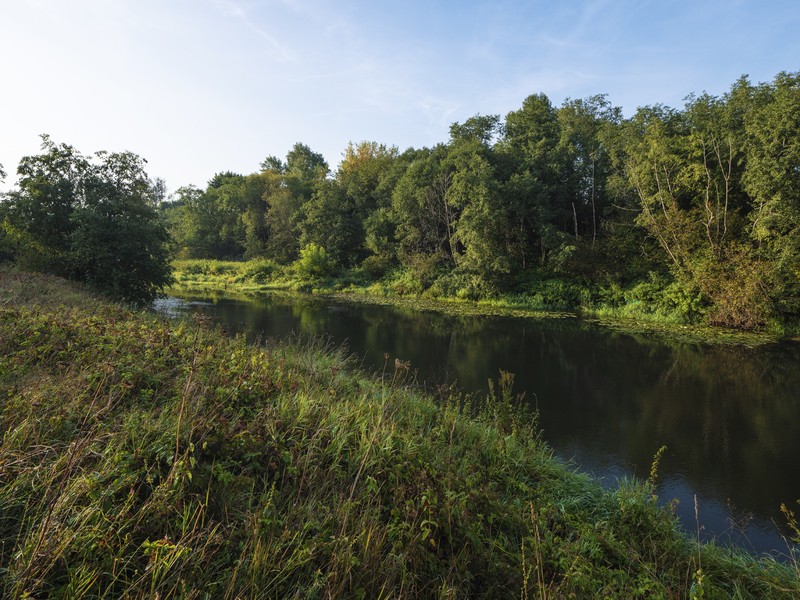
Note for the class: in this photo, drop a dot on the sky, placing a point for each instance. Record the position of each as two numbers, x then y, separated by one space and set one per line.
198 87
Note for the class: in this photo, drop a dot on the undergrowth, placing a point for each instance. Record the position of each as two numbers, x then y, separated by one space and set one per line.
142 458
654 304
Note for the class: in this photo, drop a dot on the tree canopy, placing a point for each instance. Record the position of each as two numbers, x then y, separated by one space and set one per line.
91 219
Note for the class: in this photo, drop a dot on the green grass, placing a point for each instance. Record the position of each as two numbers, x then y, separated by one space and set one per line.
642 309
142 458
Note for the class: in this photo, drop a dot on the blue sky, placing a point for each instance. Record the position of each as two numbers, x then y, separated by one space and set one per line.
200 86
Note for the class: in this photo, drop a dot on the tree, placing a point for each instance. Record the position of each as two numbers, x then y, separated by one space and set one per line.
535 164
687 169
482 227
772 179
583 125
119 243
194 226
658 170
93 221
288 186
226 192
304 169
50 188
274 164
254 218
329 221
367 175
425 222
281 219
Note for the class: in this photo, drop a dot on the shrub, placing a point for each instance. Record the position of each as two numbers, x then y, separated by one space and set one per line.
557 294
377 265
314 262
259 271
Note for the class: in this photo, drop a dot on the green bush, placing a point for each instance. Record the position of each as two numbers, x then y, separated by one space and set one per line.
405 282
221 267
671 300
377 265
557 294
259 271
314 262
462 285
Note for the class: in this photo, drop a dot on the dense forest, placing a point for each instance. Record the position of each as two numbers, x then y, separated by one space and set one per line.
702 204
696 209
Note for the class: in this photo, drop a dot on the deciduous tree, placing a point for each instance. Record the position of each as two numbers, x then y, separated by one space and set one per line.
96 221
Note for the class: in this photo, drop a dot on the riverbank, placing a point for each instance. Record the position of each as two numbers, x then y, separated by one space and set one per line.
638 315
143 457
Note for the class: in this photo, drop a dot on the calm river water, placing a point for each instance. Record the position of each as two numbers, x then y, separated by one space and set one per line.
730 417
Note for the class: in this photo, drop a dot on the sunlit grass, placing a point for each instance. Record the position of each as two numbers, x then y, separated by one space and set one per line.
145 458
633 315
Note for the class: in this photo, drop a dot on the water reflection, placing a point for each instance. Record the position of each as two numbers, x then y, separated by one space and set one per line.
607 400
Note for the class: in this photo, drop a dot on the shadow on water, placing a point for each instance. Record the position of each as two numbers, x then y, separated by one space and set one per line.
729 416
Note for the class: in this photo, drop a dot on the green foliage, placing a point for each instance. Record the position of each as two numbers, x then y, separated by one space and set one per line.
377 265
424 219
26 250
314 262
328 221
657 296
151 459
260 271
772 179
556 294
461 284
95 222
705 194
419 275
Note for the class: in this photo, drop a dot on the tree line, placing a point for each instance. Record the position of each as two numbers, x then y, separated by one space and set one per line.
706 197
702 201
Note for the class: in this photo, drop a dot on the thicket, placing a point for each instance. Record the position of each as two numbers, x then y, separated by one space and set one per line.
703 199
144 458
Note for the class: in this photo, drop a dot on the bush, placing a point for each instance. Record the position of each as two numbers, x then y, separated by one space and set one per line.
462 285
259 271
314 262
377 265
557 294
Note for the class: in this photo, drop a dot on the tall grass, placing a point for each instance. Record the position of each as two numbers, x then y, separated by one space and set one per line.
142 458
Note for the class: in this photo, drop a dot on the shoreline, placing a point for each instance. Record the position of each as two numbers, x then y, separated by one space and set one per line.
692 334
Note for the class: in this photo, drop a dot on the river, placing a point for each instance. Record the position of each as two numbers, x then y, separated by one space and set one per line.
729 416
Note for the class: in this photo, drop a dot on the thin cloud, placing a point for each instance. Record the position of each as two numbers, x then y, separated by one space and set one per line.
239 11
200 86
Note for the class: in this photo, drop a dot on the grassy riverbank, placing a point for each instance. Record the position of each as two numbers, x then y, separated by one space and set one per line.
143 458
641 309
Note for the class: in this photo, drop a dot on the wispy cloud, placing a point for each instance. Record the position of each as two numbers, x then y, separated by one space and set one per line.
240 11
240 79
